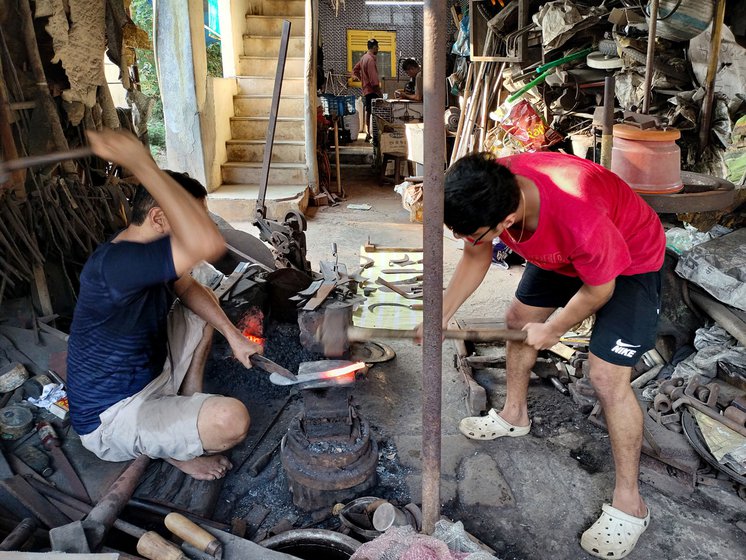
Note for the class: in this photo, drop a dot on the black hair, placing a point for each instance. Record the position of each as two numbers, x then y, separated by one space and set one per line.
372 43
478 192
142 201
408 63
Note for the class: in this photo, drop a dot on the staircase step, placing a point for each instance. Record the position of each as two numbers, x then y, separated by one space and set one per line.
266 84
281 7
237 203
259 106
283 151
267 66
272 25
255 128
263 45
250 173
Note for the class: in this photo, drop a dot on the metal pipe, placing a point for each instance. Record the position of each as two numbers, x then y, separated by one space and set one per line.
434 64
607 131
712 67
650 60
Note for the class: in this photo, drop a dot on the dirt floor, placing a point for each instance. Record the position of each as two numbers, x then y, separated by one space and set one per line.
529 498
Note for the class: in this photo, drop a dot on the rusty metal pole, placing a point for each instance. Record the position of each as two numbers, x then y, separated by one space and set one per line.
650 61
712 68
607 131
434 85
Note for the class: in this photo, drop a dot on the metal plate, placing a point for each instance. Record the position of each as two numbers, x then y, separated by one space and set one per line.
701 193
371 352
694 435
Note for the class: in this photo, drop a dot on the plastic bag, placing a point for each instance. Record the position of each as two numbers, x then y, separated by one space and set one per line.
527 128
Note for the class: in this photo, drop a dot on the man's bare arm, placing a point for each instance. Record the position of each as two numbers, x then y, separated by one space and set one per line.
194 236
203 302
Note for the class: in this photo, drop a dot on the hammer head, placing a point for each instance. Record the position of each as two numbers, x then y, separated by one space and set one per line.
332 329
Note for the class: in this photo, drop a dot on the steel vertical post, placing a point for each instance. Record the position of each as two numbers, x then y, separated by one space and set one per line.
434 84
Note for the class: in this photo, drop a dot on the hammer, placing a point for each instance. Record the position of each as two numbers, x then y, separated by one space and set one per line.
335 333
31 161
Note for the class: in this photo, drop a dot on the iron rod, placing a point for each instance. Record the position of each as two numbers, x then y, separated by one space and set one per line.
712 67
650 60
273 112
607 132
434 81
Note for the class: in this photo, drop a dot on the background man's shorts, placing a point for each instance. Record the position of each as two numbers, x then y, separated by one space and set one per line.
369 100
156 421
625 327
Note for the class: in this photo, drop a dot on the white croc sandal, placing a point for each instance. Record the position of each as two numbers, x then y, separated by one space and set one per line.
614 534
491 426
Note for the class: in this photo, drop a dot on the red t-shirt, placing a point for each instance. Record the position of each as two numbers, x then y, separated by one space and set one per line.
592 225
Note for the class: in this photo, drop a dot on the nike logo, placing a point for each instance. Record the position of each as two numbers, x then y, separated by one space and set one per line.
625 345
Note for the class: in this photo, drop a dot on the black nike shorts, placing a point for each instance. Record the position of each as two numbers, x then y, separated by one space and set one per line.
625 328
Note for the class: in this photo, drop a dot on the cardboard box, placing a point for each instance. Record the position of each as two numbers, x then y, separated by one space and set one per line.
60 408
392 142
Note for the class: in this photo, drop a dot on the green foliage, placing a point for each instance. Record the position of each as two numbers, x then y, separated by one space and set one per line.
142 15
214 60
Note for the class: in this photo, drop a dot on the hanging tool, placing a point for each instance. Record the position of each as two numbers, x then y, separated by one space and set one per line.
51 443
257 360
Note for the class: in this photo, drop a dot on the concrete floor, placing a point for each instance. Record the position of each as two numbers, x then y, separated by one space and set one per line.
529 498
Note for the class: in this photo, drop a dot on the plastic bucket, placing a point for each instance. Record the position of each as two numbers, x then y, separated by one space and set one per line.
649 161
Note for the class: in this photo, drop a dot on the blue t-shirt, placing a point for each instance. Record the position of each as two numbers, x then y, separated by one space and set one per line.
118 340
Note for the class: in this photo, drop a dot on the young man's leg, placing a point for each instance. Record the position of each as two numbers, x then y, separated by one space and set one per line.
520 358
624 420
222 423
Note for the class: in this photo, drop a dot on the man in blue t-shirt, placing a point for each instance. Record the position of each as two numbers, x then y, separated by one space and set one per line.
135 359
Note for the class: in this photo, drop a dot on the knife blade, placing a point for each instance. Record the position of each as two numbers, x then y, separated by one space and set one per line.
268 365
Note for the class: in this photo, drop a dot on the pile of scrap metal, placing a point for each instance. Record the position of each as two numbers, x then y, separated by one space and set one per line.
56 209
536 71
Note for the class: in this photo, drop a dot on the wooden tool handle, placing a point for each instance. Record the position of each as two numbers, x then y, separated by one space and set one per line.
361 334
152 545
192 533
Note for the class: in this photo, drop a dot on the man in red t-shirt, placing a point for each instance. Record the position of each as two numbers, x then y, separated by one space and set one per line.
592 246
366 71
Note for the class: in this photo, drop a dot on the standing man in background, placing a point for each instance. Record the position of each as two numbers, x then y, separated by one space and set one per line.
366 71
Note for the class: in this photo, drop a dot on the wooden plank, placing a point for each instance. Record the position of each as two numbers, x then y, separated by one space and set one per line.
41 290
476 396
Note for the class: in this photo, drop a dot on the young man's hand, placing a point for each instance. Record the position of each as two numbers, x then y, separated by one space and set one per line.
243 349
120 147
541 335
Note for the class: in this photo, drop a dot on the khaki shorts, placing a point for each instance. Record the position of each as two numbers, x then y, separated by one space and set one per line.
156 421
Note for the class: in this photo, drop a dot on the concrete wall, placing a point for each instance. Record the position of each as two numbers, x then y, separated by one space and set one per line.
232 15
406 21
178 50
196 109
216 127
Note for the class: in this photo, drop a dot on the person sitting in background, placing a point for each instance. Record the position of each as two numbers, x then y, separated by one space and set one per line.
136 356
413 89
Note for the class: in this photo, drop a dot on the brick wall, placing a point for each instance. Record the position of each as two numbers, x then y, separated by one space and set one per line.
406 21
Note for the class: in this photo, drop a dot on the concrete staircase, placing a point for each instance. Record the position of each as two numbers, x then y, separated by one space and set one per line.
235 199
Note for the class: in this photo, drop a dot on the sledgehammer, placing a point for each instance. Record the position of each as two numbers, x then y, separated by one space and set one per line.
335 333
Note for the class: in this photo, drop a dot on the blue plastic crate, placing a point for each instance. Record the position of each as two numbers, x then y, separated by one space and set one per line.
338 105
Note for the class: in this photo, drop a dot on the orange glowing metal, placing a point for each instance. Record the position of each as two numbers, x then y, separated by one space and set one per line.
253 338
338 372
